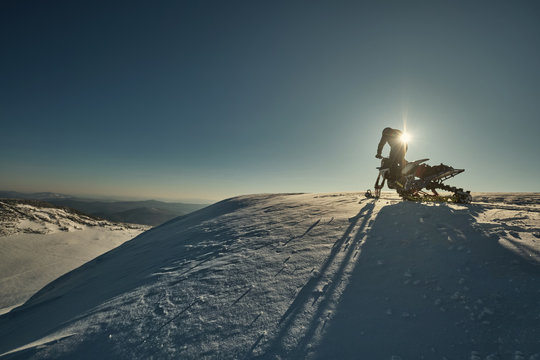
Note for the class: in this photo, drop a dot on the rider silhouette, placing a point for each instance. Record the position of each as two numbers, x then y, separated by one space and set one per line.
398 148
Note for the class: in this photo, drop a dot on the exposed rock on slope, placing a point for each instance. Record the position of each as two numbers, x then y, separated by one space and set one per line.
38 217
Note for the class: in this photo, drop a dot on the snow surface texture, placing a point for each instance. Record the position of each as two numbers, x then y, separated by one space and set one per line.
328 276
40 242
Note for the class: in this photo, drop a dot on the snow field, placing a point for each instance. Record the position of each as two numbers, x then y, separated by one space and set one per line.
301 276
39 244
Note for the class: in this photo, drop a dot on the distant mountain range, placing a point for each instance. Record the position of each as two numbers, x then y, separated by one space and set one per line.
148 212
32 196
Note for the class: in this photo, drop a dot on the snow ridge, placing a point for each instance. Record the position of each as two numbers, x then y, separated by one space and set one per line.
37 217
301 276
39 242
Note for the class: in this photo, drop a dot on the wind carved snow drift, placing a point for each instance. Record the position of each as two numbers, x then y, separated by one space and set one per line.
303 276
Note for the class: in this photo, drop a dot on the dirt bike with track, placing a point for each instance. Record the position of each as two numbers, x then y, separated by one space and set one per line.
417 181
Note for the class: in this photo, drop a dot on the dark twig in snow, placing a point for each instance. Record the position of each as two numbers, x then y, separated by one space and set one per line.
241 296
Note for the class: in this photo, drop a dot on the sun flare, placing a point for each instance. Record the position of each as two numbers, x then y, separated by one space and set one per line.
405 137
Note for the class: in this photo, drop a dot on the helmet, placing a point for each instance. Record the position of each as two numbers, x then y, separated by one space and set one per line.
391 132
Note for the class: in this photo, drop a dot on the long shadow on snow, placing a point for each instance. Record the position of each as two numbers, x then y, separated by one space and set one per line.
305 295
429 283
121 270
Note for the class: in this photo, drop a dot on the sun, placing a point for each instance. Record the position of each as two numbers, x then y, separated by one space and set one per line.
405 137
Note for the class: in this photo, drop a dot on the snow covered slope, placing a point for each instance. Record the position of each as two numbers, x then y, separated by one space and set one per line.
302 276
39 242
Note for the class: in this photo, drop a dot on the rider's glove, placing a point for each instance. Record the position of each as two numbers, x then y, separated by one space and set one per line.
378 156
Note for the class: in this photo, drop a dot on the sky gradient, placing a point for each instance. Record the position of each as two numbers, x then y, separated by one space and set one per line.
210 99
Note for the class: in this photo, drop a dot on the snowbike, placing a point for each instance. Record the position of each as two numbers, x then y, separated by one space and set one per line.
419 182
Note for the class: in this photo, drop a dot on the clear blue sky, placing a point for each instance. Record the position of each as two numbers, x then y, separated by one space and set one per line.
209 99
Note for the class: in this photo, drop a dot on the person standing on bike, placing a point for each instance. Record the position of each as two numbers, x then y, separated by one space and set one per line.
398 148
